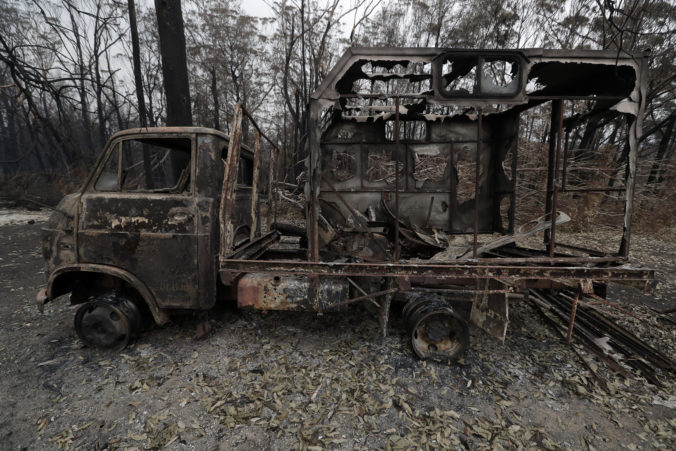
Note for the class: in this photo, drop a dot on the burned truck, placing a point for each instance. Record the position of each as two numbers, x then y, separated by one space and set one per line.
415 167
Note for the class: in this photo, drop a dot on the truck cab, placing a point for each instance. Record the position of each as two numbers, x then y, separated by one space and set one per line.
142 232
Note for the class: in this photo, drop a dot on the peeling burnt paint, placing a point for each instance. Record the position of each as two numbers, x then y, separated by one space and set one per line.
266 291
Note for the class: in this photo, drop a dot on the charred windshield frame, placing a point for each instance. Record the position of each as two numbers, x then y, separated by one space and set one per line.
184 182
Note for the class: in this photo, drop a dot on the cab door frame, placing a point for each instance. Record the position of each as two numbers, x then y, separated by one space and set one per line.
152 235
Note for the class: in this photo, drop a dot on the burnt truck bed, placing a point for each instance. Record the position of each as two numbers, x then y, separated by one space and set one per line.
416 169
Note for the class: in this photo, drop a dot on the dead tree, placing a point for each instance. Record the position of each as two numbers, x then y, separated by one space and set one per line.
174 63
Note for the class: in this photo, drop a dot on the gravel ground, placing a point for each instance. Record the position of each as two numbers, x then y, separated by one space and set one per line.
289 380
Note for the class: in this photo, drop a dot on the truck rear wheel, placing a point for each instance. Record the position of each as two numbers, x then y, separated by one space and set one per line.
435 329
109 320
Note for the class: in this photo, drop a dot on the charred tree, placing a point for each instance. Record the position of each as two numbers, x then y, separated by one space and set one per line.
174 63
138 81
136 56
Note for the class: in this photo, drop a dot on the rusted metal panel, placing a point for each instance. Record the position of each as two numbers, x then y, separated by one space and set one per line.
154 239
207 249
152 235
266 291
490 310
139 285
254 187
272 187
227 226
478 271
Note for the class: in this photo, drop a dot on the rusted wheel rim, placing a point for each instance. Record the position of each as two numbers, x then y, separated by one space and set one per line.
438 336
103 324
435 330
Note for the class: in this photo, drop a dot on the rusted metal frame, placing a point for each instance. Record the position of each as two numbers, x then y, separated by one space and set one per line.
591 190
457 298
569 260
408 157
511 251
506 260
511 254
630 341
453 188
274 163
429 212
627 343
384 190
380 143
615 306
591 252
354 213
354 284
569 97
477 174
253 247
585 335
365 95
227 201
438 270
272 189
363 163
602 383
512 194
397 249
573 311
555 194
364 298
254 185
470 292
314 177
258 129
555 111
503 255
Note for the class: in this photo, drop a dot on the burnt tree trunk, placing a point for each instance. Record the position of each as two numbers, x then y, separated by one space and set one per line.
174 64
84 104
214 94
138 81
136 56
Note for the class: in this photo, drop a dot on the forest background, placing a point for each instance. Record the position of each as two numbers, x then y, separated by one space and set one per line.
67 83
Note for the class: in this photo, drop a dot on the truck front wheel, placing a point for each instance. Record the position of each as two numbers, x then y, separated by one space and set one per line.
109 320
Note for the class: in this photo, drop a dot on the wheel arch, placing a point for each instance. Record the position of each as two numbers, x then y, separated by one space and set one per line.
63 280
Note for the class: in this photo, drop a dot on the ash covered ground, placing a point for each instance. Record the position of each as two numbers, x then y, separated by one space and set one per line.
292 380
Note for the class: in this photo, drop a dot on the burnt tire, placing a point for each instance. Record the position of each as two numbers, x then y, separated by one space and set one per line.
109 320
436 332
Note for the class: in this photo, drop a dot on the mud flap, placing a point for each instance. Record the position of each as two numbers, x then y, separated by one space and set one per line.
490 311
